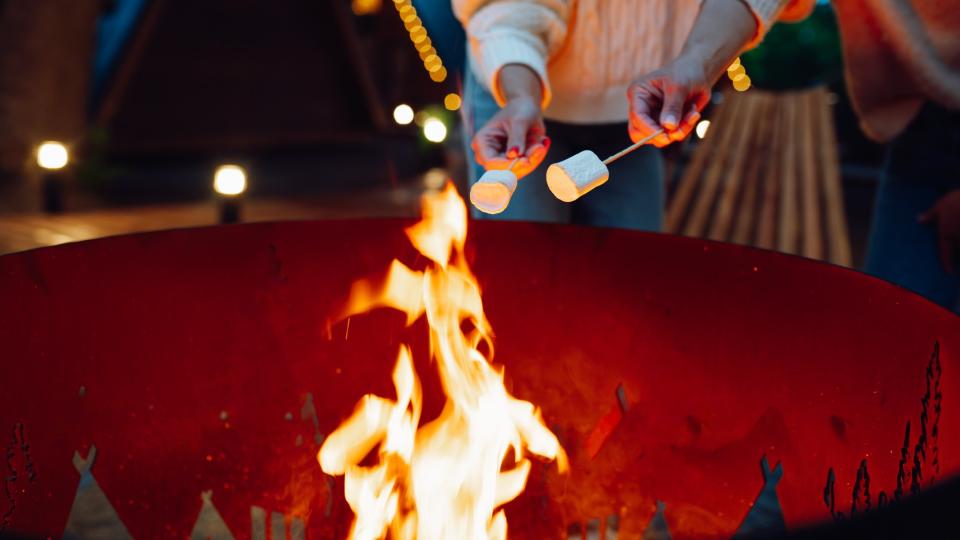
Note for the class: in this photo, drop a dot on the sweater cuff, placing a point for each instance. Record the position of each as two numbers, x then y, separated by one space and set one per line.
497 53
765 12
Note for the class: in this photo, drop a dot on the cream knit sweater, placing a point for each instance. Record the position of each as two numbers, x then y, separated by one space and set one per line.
586 52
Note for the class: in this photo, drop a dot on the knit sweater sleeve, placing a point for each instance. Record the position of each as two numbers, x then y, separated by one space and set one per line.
501 32
766 13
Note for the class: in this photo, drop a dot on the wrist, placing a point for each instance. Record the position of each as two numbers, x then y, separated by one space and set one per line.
520 83
711 63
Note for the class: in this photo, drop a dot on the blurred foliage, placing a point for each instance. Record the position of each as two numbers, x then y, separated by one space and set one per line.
799 55
95 172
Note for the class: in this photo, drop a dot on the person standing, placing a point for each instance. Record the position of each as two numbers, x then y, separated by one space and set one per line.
902 62
549 78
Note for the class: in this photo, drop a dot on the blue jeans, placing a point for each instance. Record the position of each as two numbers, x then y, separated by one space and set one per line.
631 199
922 165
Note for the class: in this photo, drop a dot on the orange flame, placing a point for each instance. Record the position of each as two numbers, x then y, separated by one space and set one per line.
445 479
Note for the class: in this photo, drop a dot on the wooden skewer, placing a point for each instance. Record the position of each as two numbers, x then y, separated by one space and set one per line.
513 164
633 147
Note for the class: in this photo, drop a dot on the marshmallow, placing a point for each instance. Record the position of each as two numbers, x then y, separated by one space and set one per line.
491 194
573 177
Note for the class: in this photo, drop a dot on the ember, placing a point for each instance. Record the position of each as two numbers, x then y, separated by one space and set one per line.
445 479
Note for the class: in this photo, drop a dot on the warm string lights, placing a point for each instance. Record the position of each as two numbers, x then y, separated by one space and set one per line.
418 35
738 75
434 129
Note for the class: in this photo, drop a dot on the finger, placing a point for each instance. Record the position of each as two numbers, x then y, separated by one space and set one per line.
700 99
687 125
517 137
536 134
488 145
642 126
672 111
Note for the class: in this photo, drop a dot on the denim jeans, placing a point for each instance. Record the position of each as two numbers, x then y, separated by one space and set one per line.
631 199
922 165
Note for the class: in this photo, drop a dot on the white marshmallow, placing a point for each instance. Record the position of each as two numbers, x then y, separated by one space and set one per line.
573 177
491 194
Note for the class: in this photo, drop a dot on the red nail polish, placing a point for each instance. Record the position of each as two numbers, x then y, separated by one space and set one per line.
545 141
513 152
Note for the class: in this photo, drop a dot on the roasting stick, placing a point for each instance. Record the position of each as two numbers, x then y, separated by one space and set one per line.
577 175
633 147
492 192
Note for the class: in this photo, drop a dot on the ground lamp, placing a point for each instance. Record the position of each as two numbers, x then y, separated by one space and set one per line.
230 183
52 158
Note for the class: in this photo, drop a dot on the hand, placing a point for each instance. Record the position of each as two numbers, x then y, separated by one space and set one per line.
797 10
516 131
946 213
670 98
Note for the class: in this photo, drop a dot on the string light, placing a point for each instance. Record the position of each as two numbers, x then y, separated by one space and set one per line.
366 7
403 114
452 102
421 41
738 76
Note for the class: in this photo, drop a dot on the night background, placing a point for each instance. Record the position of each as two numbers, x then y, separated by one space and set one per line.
150 97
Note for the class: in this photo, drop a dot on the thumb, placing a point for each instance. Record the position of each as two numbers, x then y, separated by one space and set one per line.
517 138
673 100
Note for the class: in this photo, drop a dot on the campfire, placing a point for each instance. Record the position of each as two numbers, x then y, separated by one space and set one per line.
697 389
449 477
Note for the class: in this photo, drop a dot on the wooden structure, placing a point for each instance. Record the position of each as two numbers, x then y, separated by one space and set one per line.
767 175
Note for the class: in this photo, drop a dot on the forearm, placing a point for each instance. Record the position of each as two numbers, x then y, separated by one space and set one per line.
517 81
723 28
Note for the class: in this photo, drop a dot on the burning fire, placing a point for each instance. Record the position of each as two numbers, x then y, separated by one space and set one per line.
447 478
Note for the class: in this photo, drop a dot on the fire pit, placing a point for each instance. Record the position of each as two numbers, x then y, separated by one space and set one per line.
181 383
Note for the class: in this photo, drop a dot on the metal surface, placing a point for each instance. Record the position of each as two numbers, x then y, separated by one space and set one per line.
203 360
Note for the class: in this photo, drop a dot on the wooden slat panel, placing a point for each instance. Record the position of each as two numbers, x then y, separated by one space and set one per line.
743 115
762 160
788 237
838 237
743 153
705 151
812 245
767 226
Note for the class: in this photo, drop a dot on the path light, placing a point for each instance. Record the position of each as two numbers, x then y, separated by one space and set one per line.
230 183
53 158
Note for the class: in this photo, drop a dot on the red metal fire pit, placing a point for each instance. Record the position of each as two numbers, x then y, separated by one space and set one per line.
203 361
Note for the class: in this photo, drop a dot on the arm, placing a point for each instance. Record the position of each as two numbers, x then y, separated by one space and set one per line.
504 32
510 43
672 98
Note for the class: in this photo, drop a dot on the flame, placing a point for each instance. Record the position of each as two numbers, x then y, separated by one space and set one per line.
447 478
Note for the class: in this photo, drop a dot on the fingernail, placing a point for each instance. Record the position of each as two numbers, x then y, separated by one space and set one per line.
545 141
670 121
513 152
